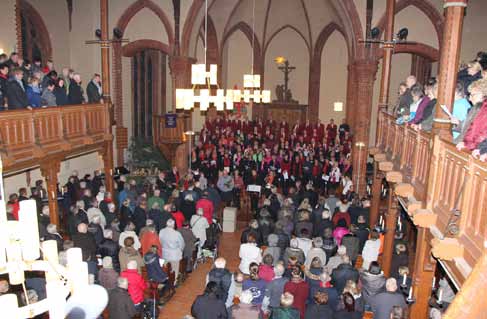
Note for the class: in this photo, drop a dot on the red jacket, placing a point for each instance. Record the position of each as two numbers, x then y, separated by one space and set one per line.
477 132
179 218
147 240
208 208
137 285
266 272
300 292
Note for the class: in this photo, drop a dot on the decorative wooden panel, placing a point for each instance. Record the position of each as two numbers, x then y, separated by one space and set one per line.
280 111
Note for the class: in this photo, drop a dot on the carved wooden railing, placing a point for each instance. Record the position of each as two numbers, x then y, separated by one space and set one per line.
27 136
445 180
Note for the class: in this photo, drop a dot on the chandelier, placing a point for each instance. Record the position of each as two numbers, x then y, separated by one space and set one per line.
202 79
20 252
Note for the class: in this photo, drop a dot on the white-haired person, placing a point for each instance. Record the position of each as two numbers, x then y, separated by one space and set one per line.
107 276
120 305
199 224
286 309
245 309
225 280
137 284
53 234
172 243
383 302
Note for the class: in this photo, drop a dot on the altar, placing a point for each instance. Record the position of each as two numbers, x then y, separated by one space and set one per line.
279 111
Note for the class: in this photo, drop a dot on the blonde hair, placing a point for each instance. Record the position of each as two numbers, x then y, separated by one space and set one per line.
479 85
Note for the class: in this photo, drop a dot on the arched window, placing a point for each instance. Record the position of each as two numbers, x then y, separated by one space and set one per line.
34 36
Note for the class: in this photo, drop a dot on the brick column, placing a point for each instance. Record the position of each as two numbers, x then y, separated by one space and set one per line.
390 229
364 71
120 131
351 90
422 274
180 73
49 170
448 66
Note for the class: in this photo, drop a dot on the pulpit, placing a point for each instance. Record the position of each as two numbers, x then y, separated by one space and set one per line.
169 134
280 111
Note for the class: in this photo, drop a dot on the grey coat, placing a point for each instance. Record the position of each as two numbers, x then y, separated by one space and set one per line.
372 285
274 290
382 304
48 98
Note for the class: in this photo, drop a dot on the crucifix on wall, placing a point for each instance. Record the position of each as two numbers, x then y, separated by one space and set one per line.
283 91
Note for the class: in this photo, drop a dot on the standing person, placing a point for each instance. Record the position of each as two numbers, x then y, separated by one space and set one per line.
319 308
128 253
136 285
48 98
225 282
120 305
255 284
172 246
85 240
16 96
33 92
249 252
371 249
3 85
226 184
75 95
383 302
274 290
286 309
208 306
299 289
94 90
349 311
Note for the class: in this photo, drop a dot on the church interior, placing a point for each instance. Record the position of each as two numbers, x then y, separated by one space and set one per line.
219 159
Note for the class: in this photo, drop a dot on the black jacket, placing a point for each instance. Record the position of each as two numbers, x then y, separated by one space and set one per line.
139 218
75 94
87 244
61 96
93 93
318 311
16 96
154 270
341 274
120 306
110 248
224 279
209 307
3 90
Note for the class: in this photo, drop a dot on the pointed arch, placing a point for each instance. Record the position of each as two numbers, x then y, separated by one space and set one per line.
315 67
424 6
134 8
29 14
287 26
248 32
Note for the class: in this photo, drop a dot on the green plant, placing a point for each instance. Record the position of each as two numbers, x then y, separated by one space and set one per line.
143 154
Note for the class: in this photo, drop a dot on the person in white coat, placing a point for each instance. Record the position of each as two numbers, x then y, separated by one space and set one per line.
316 251
172 243
371 249
129 232
249 253
199 224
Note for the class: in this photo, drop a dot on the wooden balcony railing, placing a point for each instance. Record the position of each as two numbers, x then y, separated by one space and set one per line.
27 136
445 180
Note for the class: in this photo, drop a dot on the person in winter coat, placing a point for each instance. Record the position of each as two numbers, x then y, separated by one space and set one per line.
249 253
48 98
383 302
322 223
352 288
33 92
349 309
373 282
60 92
139 216
286 309
272 248
340 231
120 305
342 274
253 228
148 239
319 308
84 240
109 248
107 276
274 290
208 306
94 91
188 207
207 206
129 232
129 253
16 96
266 270
189 244
75 95
225 281
371 249
299 289
199 225
295 251
137 285
266 225
316 251
352 242
53 234
172 245
399 258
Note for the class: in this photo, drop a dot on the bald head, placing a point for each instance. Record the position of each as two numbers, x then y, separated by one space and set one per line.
82 228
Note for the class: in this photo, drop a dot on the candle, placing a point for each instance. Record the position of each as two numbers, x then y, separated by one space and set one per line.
78 275
14 264
29 230
410 296
74 255
440 295
56 296
53 196
41 193
50 254
400 226
380 219
382 224
434 282
404 277
9 305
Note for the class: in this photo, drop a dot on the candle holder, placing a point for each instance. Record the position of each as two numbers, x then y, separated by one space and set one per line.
410 301
434 303
404 289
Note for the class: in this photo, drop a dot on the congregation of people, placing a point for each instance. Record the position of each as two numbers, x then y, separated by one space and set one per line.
417 103
26 85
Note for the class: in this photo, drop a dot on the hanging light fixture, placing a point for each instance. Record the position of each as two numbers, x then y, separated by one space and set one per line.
252 81
203 79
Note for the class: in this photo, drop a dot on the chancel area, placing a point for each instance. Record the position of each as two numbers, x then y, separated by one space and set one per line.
247 159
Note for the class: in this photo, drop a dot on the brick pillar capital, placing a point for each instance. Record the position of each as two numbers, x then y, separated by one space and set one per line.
180 64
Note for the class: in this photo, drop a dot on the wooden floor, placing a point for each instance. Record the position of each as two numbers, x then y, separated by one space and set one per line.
180 303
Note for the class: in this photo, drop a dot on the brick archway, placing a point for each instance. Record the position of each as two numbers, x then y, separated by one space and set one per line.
130 48
28 12
421 49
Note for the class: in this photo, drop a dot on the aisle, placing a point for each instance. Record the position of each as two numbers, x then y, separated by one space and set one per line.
180 303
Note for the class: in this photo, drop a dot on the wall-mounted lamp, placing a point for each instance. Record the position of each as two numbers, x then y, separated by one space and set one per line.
338 106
